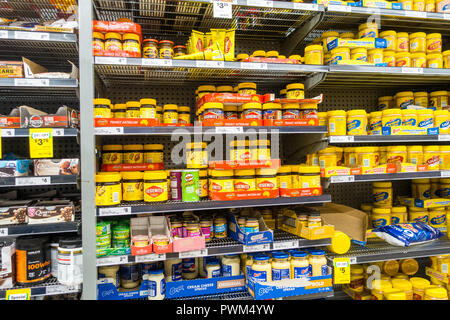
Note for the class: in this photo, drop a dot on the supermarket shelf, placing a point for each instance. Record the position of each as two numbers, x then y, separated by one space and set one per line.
282 241
49 84
25 133
48 288
173 206
387 176
238 295
37 181
388 139
107 131
380 251
33 229
314 296
37 36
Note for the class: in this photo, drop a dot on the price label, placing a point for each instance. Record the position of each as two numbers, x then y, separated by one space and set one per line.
444 137
108 130
374 10
115 211
415 14
445 173
447 16
305 6
341 270
257 247
229 130
193 253
110 60
58 132
337 179
31 35
285 245
222 9
18 294
3 232
41 143
31 82
253 66
7 132
4 34
412 70
339 8
112 260
60 289
353 260
151 257
260 3
157 62
209 64
341 139
32 181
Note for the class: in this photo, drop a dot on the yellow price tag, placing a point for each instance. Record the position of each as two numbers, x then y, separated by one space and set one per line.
341 270
41 143
18 294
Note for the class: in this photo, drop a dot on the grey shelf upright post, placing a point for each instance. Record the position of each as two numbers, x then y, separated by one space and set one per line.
87 146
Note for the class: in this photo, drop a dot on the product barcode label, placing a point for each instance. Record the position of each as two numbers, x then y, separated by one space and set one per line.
341 139
209 64
8 132
193 253
305 6
341 264
222 9
27 35
110 60
444 137
114 211
112 260
412 70
445 173
32 181
286 245
151 257
3 232
338 179
157 62
415 14
109 130
253 66
339 8
260 3
229 129
257 247
31 82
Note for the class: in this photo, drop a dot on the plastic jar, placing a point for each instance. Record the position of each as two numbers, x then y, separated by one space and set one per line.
220 227
337 125
291 111
403 285
391 38
155 186
356 278
381 217
153 153
179 51
435 60
284 177
70 261
196 155
272 111
403 59
391 118
417 42
165 49
251 225
312 159
425 118
230 265
419 285
150 48
224 89
339 54
434 43
252 111
396 154
402 42
430 6
133 109
431 157
221 181
295 91
318 263
213 110
382 194
244 180
230 113
132 186
170 114
389 58
247 88
314 220
366 156
327 37
262 147
259 54
173 269
203 183
419 60
423 188
108 189
356 122
112 154
266 179
206 225
102 108
421 99
444 158
323 119
184 115
446 57
435 294
368 30
438 100
415 155
379 287
399 215
281 268
261 270
437 218
159 114
309 176
359 54
314 54
442 121
133 153
113 41
240 151
308 111
131 43
386 102
419 5
119 110
409 117
327 157
156 284
375 56
299 264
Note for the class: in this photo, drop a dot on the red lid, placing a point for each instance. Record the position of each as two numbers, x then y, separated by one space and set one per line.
179 46
166 41
150 40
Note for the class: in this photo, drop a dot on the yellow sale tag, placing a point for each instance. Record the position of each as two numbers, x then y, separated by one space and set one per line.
18 294
341 270
41 143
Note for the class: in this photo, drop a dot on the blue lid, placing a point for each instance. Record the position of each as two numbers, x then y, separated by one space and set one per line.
213 261
261 257
280 255
275 252
299 254
230 255
317 252
158 271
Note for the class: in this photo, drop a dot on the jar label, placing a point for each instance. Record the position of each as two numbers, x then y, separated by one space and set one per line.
301 272
241 186
433 161
379 222
444 125
291 114
324 270
154 191
266 185
438 220
393 123
434 46
426 123
152 289
226 270
206 232
220 228
380 196
409 122
423 219
280 274
177 270
354 125
163 286
216 273
188 265
406 103
259 276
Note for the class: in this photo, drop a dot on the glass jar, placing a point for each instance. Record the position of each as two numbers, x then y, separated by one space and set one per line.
213 110
184 115
309 176
252 111
356 278
129 275
251 225
244 180
150 48
170 114
132 43
220 227
102 108
295 91
112 154
132 186
133 153
179 51
281 268
148 108
156 284
231 265
98 41
272 111
113 41
266 179
247 88
207 228
166 49
318 263
299 264
155 186
314 54
108 189
133 109
284 177
153 153
240 151
291 111
261 269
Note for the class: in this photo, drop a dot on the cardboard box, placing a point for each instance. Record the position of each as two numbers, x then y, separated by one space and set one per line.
444 277
35 71
106 290
158 226
15 168
64 117
51 212
368 43
292 225
265 235
187 244
10 121
7 264
408 130
11 69
14 211
140 226
56 167
133 167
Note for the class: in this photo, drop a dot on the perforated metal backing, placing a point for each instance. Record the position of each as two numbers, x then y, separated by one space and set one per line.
48 103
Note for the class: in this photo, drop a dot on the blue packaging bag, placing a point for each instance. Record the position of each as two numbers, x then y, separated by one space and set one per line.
406 234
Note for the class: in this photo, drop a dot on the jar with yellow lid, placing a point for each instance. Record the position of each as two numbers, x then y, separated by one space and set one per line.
102 108
386 102
263 149
347 35
382 195
272 111
421 99
327 58
350 156
119 110
150 48
419 5
224 89
417 42
240 151
337 123
422 188
133 153
203 90
179 51
272 54
133 109
431 157
409 117
379 287
419 60
438 100
395 294
328 157
308 110
261 269
391 118
283 93
419 285
442 121
252 111
437 218
132 186
203 183
434 188
148 108
403 285
309 176
366 156
375 56
391 38
435 60
247 88
184 115
415 155
155 186
312 159
108 189
435 294
165 49
339 54
359 54
444 157
112 154
131 43
153 153
295 176
244 180
266 179
418 215
170 114
213 110
291 111
284 177
295 91
113 41
259 54
404 99
425 118
314 54
380 217
221 181
98 41
402 42
434 43
159 114
389 58
430 6
296 57
399 214
196 155
368 30
230 113
446 57
396 154
323 118
327 37
356 122
403 59
242 56
356 278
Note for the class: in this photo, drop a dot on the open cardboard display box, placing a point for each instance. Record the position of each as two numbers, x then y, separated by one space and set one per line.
150 226
187 244
265 235
292 225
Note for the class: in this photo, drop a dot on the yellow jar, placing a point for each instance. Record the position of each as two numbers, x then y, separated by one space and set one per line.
415 155
391 118
419 285
391 38
244 180
338 54
418 215
196 155
375 122
133 153
112 154
366 156
425 118
356 278
446 57
328 157
419 60
359 54
407 4
153 153
405 286
102 108
284 177
132 43
108 189
356 122
438 100
419 5
389 58
379 287
396 154
184 115
155 186
309 176
434 43
327 37
295 91
295 176
240 151
120 110
148 108
323 119
402 42
423 188
381 217
368 30
383 155
203 175
221 181
431 157
375 56
337 125
132 186
435 294
403 59
399 215
430 5
435 60
312 159
386 102
262 148
352 156
442 121
409 117
203 90
133 109
421 98
170 114
347 35
404 99
266 179
444 158
382 194
437 218
159 114
314 54
417 42
434 185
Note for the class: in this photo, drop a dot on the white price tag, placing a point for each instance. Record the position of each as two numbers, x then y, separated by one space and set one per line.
58 132
257 247
157 62
253 66
353 260
412 70
444 137
108 130
60 289
41 135
7 132
112 260
193 254
32 181
209 64
31 35
342 139
447 16
229 130
114 211
260 3
416 14
151 257
110 60
31 82
341 264
305 6
285 245
339 8
4 34
3 232
445 173
374 10
222 9
337 179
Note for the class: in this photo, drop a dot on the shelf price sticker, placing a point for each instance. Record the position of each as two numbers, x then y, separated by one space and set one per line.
108 130
112 260
114 211
338 179
3 232
18 294
342 139
341 272
229 130
444 137
41 143
61 289
210 64
31 35
32 181
260 3
445 173
416 14
253 66
257 247
157 62
4 34
151 257
412 70
193 254
286 245
339 8
305 6
24 82
222 9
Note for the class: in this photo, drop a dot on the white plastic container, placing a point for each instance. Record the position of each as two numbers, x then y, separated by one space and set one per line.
231 265
70 262
156 284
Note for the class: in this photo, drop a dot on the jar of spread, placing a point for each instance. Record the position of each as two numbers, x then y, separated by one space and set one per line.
231 265
263 149
120 110
291 111
244 180
381 217
368 30
431 157
193 229
220 227
203 90
240 151
339 54
207 228
417 42
132 43
224 89
230 113
337 125
386 102
170 114
423 188
375 123
444 158
150 48
435 294
399 215
437 218
266 179
438 100
391 38
308 111
259 54
109 272
203 184
196 155
176 227
419 285
409 117
419 5
102 108
405 286
251 225
317 263
379 287
418 60
108 189
389 58
396 154
247 88
434 43
159 114
430 6
327 157
284 177
382 194
403 59
221 181
314 220
356 122
366 156
375 56
129 275
402 42
133 153
441 121
252 111
147 108
98 41
153 153
155 186
314 54
356 278
242 56
113 41
132 186
309 176
261 270
213 110
184 115
281 268
435 60
295 91
165 49
133 109
112 154
272 111
179 51
173 269
156 284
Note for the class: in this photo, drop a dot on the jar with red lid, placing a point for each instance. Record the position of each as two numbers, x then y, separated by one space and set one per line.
166 49
179 51
150 48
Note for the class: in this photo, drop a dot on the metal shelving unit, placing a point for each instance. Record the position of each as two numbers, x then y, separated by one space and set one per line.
48 288
37 181
35 229
387 176
25 133
389 139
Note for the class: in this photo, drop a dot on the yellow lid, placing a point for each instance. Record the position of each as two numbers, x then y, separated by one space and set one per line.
356 269
131 36
213 105
388 112
295 57
155 175
294 167
386 98
444 148
112 147
430 148
401 284
402 55
184 109
133 104
239 143
309 169
420 94
366 206
281 57
313 47
251 105
359 50
153 147
375 114
241 56
401 209
434 56
382 184
108 177
260 143
441 113
339 50
409 112
196 145
224 89
247 85
329 34
292 86
446 53
434 35
102 101
395 295
381 285
266 172
401 276
259 53
148 101
417 35
381 210
206 88
170 107
203 173
291 106
328 150
271 105
284 169
402 35
437 209
437 293
321 114
396 149
98 35
221 173
347 35
133 147
336 113
113 35
119 106
308 106
244 172
132 175
388 33
368 25
415 148
375 51
357 112
282 92
418 55
272 54
365 149
340 243
438 93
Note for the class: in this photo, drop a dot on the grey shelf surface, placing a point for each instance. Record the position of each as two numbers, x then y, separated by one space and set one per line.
388 139
386 177
33 229
37 181
25 132
47 288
